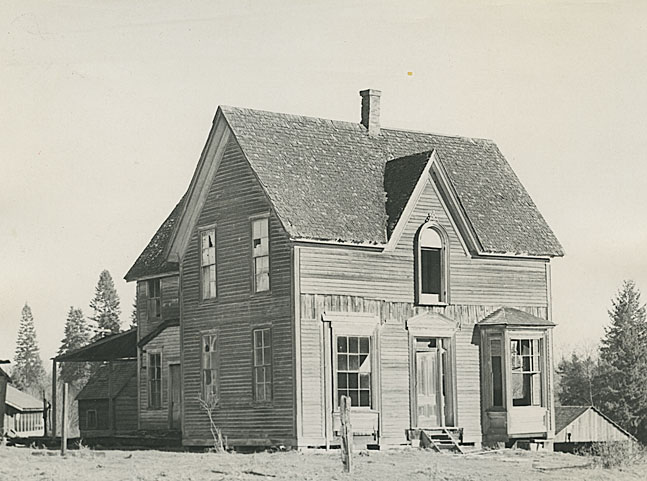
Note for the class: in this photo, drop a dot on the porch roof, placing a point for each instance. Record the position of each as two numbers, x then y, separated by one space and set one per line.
122 345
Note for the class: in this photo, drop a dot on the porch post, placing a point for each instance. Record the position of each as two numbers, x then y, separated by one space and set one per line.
53 398
110 406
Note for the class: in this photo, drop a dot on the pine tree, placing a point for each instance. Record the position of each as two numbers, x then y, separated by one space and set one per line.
623 363
28 373
577 377
77 334
133 315
106 306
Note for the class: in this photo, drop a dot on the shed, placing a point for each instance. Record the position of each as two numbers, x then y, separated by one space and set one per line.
23 415
4 380
113 386
581 425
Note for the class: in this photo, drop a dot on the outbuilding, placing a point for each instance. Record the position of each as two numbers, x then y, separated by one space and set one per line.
23 416
577 426
4 380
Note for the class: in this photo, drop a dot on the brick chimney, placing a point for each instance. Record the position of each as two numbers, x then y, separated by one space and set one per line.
371 110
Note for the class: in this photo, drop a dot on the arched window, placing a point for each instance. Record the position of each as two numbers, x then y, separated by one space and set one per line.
432 265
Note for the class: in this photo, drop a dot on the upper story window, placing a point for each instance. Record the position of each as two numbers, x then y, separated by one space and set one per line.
432 265
154 298
261 254
208 263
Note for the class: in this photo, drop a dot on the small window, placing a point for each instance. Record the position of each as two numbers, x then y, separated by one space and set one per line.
496 357
262 365
91 419
210 367
354 370
526 372
208 263
154 380
261 255
432 266
154 298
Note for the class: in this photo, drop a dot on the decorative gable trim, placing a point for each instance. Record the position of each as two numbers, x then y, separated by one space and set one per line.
431 324
199 187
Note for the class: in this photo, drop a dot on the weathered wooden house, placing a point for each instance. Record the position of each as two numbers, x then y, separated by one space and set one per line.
311 259
4 380
578 426
23 414
108 401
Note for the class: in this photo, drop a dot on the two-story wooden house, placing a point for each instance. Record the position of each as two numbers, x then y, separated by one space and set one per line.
311 259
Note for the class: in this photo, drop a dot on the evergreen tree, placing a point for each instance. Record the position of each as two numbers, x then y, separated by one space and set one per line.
28 373
577 377
133 315
77 334
623 363
106 306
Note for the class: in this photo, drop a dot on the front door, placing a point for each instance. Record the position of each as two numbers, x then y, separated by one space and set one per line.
433 404
175 396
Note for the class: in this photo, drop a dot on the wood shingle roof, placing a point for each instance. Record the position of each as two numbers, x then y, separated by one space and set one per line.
329 180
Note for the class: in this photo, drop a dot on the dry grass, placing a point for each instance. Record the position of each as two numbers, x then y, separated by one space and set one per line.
409 464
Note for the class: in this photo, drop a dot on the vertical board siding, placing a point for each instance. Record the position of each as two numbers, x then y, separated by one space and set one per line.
125 406
390 275
168 344
234 196
590 427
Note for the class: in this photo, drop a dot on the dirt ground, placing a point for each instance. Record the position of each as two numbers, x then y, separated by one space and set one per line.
407 464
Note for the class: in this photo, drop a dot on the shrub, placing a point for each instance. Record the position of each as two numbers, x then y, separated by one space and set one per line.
616 454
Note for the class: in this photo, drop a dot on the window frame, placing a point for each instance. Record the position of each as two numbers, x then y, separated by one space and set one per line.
87 419
213 284
253 219
214 357
154 301
535 374
372 372
264 367
150 379
429 299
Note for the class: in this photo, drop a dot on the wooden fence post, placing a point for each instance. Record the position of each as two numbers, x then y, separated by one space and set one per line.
346 434
64 421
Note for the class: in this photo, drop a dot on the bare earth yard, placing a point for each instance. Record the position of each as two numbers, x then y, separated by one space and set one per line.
409 464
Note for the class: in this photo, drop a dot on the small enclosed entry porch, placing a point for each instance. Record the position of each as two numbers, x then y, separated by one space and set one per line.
516 378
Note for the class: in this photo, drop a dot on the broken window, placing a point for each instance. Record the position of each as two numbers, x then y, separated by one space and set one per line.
354 370
526 372
262 365
155 380
261 255
210 367
208 263
154 298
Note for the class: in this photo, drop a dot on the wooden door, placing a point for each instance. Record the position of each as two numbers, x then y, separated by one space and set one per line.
429 392
175 396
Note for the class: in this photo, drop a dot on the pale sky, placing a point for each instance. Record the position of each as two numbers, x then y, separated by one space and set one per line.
105 107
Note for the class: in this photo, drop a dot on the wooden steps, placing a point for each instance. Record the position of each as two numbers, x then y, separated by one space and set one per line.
441 440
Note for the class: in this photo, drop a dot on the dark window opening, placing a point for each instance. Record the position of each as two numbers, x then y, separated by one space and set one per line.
431 270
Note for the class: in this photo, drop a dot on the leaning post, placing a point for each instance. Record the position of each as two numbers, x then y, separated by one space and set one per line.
346 434
53 399
64 421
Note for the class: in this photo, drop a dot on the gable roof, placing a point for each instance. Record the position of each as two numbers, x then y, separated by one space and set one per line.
509 316
22 401
565 415
122 345
329 180
97 385
153 260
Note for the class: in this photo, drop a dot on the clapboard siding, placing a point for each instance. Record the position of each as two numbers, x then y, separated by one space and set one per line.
168 344
170 304
394 359
390 275
234 196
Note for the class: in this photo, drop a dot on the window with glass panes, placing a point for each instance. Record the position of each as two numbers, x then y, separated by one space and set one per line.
261 254
354 370
208 263
154 298
154 380
262 365
526 372
210 367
